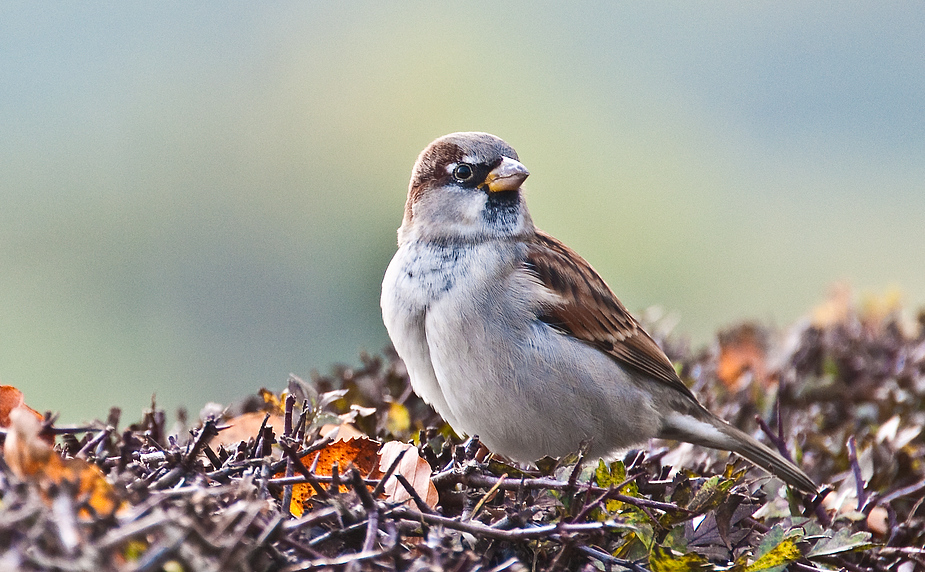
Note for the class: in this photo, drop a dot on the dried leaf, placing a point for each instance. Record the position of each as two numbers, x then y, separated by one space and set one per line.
742 350
246 426
359 452
10 399
342 431
31 459
27 455
415 469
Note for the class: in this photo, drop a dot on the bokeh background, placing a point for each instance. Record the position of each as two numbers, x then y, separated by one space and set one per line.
198 199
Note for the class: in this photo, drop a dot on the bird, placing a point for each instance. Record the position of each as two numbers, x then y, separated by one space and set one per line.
512 336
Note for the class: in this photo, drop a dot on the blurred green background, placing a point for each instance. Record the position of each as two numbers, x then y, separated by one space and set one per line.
196 200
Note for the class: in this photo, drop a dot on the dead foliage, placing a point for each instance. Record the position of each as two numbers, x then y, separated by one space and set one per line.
301 480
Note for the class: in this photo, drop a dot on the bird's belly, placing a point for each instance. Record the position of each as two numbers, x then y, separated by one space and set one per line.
527 390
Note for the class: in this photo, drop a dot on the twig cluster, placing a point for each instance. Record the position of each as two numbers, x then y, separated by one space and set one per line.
846 401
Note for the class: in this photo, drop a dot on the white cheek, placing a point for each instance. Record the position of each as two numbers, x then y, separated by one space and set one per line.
472 209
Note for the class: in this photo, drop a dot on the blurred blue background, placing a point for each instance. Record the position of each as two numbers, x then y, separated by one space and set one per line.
199 199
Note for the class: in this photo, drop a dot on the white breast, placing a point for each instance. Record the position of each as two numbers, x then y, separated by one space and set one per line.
464 321
432 298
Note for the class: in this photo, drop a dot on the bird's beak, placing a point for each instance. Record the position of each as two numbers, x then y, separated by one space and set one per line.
507 176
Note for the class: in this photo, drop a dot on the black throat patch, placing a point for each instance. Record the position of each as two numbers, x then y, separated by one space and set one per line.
502 210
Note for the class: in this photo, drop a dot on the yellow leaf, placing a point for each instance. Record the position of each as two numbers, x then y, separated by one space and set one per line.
782 554
276 402
398 420
664 560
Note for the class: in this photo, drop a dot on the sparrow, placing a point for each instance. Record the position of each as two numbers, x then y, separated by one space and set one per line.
512 336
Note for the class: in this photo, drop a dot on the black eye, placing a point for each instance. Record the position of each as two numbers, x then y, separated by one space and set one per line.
462 172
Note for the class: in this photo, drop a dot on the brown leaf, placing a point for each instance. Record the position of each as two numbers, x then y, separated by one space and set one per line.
413 468
26 454
246 426
345 431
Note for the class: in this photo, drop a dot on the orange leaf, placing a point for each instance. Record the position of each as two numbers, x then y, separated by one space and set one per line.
33 460
359 452
742 350
26 454
415 469
10 399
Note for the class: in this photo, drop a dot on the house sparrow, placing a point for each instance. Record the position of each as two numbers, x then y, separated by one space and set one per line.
512 336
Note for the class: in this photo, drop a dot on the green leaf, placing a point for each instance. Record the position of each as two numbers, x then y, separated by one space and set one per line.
774 536
778 547
607 476
841 541
713 492
640 537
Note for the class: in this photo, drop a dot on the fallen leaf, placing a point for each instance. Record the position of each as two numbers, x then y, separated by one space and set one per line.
742 350
359 452
665 560
10 399
26 454
33 460
342 432
246 426
777 549
607 476
415 469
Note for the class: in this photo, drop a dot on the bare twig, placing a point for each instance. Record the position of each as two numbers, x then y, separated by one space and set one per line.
856 472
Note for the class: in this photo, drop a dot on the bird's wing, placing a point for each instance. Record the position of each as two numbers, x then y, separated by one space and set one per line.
587 309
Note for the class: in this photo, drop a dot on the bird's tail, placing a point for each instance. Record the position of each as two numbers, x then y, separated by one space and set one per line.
711 431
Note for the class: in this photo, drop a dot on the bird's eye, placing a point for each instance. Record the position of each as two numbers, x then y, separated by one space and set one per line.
462 172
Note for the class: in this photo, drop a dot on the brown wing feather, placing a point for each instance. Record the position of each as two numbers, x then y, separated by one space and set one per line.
591 312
